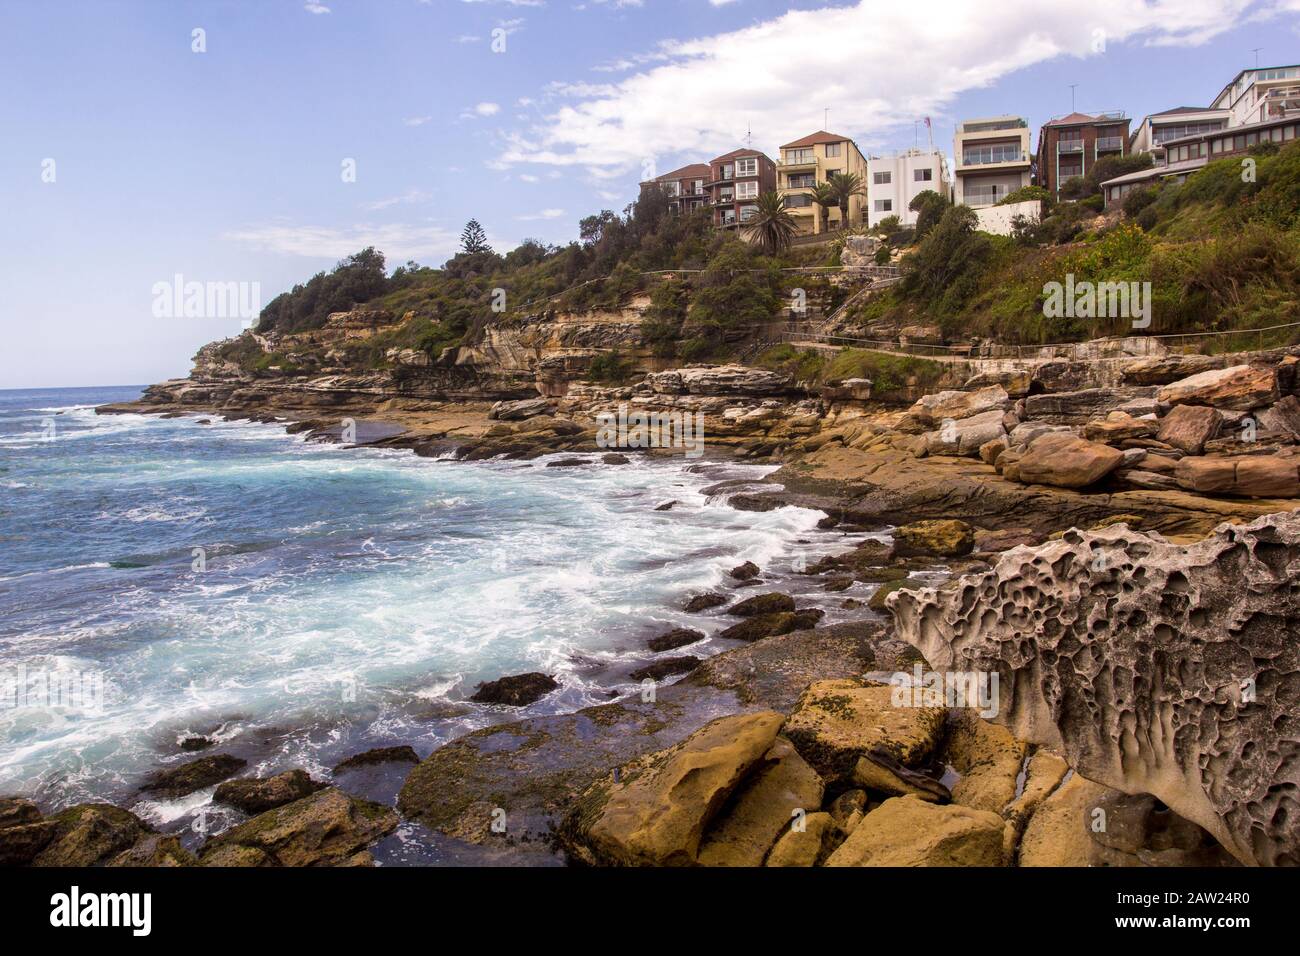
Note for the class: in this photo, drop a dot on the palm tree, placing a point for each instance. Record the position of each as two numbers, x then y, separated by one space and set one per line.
771 225
846 186
824 195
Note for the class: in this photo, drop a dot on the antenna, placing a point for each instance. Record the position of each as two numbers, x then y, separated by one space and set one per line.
826 115
749 136
1072 86
1256 52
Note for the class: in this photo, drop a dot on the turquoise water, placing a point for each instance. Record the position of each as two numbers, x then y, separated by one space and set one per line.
348 598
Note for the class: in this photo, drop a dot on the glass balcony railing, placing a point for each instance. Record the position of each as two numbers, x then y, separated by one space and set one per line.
1107 143
993 154
1070 146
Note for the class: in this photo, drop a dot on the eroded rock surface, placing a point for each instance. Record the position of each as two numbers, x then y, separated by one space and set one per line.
1156 668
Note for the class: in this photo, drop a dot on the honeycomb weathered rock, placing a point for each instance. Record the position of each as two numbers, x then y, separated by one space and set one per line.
1154 667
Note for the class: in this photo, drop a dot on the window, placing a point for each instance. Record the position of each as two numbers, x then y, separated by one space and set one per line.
747 213
747 190
833 150
922 175
801 181
884 205
747 167
798 201
881 179
699 186
797 157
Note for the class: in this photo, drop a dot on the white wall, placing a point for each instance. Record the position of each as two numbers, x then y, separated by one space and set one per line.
997 219
903 186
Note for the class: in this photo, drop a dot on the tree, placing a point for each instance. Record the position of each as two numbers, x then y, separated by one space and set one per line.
929 207
771 226
824 195
473 239
845 186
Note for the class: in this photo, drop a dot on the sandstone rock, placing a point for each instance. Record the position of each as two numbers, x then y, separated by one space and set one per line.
942 538
1067 462
84 835
517 690
518 411
934 409
1267 476
677 637
1043 775
994 542
656 812
772 625
1026 432
848 809
1015 382
965 436
762 604
802 847
988 758
1070 629
1161 370
258 796
1189 427
907 831
15 811
881 774
1071 408
1207 475
1283 417
718 380
328 828
1240 387
838 721
194 775
745 572
990 450
155 850
1058 832
664 668
877 600
1118 426
783 789
702 602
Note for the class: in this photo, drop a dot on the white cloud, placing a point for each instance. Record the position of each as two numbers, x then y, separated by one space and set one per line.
513 3
466 38
416 120
487 109
398 241
312 7
529 178
876 66
544 214
406 198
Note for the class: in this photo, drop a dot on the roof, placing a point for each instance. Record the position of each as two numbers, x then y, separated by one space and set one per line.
817 139
691 171
1155 172
1177 110
1083 119
1254 69
1241 130
739 153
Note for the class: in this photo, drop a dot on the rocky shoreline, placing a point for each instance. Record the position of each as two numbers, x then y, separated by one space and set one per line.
1162 704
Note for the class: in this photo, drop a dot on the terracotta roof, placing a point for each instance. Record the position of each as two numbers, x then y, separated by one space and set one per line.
816 139
1077 119
737 154
1186 109
692 171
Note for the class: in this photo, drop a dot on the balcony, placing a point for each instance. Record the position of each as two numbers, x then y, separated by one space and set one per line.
797 163
800 182
994 127
991 155
1106 144
1069 146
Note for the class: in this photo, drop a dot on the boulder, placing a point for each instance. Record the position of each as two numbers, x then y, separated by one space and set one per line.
772 625
665 667
1071 408
718 380
803 846
1216 476
1117 426
403 753
956 405
702 602
517 690
744 572
762 604
153 851
1206 725
784 789
1067 462
1043 775
677 637
943 538
1240 387
1282 417
194 775
1015 382
838 721
990 450
882 774
1267 476
1164 369
1189 427
518 411
654 811
83 835
965 436
15 811
1057 834
908 831
988 758
257 796
877 600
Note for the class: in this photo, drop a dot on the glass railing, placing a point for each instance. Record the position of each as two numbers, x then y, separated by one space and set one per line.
1109 142
993 154
1070 146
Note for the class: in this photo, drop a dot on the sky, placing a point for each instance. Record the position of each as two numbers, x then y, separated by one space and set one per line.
258 142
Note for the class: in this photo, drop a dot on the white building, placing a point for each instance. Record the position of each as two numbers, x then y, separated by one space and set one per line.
894 181
992 157
1158 128
1259 95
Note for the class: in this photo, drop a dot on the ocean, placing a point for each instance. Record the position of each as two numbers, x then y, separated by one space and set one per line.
300 602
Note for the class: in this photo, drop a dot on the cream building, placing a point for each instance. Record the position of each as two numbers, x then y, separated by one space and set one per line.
992 159
812 160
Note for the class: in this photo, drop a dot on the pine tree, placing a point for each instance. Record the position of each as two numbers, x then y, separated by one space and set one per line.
474 239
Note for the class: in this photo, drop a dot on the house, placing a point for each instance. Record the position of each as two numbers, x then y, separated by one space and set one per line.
1155 129
1186 155
894 181
685 187
1261 94
814 159
736 180
1071 145
992 157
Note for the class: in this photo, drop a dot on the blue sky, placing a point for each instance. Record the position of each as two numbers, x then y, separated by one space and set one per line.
226 165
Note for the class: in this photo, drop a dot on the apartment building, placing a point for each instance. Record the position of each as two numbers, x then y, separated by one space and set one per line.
1071 145
1155 130
894 181
812 160
736 180
685 187
992 157
1260 95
